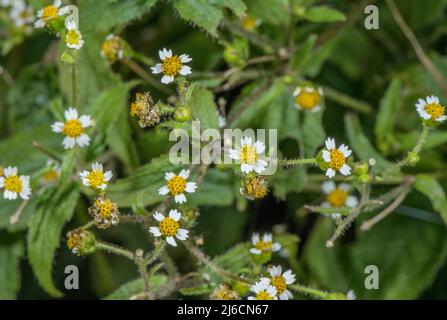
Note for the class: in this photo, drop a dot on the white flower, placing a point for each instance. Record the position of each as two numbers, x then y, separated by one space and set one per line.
431 109
169 227
97 178
336 158
308 98
250 155
52 172
263 290
73 129
171 66
21 14
338 197
14 184
280 281
264 245
73 38
6 3
49 13
177 185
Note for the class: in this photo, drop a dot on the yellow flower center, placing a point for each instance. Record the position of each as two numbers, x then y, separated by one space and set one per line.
264 246
171 66
24 14
96 178
176 185
73 128
168 227
263 295
73 37
435 110
337 159
249 23
105 208
248 154
256 188
337 198
225 294
308 100
111 48
51 176
13 184
74 241
135 108
50 12
279 283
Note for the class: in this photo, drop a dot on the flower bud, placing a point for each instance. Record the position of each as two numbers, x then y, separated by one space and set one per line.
413 158
113 48
254 187
182 114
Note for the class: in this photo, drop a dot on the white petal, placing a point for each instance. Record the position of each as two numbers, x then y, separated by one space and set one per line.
424 115
169 175
260 147
330 173
108 175
10 195
255 251
175 215
167 79
255 238
345 170
246 168
260 166
286 295
69 142
96 166
39 23
330 143
276 247
351 201
182 234
429 99
267 237
184 174
171 241
158 68
180 198
289 277
296 91
275 271
83 174
185 70
190 187
2 182
155 231
57 126
57 3
233 154
345 150
316 109
162 53
185 58
102 186
328 186
71 114
345 187
86 121
163 191
441 118
326 156
10 171
83 140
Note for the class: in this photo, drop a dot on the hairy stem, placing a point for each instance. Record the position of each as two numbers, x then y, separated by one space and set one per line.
114 249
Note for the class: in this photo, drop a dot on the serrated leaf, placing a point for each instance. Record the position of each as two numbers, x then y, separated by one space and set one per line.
131 288
204 108
11 251
361 145
385 118
275 12
323 14
313 132
237 6
431 188
201 13
44 235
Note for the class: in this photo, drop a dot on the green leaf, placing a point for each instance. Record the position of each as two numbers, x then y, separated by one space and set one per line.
313 132
431 188
237 6
275 12
361 145
203 108
197 290
201 13
54 210
386 117
323 14
11 251
131 288
303 52
113 13
216 190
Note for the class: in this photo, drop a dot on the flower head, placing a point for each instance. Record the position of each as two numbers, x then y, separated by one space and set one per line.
177 185
224 292
338 196
171 66
250 23
81 241
264 244
52 172
73 129
280 281
250 155
335 158
145 110
430 109
263 290
113 48
308 98
21 14
73 38
254 187
49 13
169 227
104 212
14 184
97 178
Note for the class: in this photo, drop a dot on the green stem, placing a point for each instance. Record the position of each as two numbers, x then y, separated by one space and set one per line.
308 291
74 86
114 249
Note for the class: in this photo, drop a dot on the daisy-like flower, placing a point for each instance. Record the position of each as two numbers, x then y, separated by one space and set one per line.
431 109
265 244
336 158
73 129
308 98
263 290
250 155
97 178
169 227
104 212
112 49
14 184
338 196
52 173
21 14
250 23
171 66
49 13
253 188
73 38
177 185
280 281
